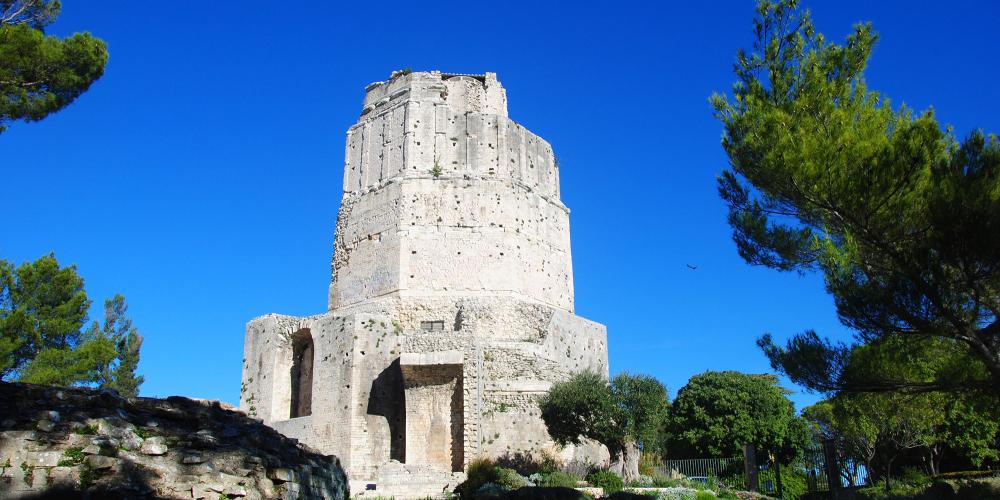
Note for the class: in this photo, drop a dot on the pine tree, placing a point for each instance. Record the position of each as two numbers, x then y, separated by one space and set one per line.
120 374
43 308
901 218
42 74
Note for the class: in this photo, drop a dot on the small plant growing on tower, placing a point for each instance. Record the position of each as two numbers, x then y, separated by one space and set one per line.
436 171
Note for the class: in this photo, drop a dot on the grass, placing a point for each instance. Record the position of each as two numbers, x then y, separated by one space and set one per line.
28 471
87 477
87 430
71 457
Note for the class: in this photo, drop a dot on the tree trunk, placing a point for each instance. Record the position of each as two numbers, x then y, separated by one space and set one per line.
625 461
888 474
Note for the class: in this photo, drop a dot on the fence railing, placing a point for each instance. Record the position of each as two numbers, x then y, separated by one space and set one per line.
727 471
819 462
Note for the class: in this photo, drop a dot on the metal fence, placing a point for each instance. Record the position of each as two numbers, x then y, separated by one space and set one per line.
820 460
727 471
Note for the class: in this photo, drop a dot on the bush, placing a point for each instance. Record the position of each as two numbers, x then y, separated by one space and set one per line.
527 464
793 481
557 479
676 494
649 463
664 481
479 472
624 495
975 474
509 479
579 469
607 480
897 490
545 493
914 477
704 495
490 490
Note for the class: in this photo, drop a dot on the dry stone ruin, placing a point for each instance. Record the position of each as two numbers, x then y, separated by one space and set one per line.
451 304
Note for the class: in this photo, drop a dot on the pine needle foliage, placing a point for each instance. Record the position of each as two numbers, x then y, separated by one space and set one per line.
900 217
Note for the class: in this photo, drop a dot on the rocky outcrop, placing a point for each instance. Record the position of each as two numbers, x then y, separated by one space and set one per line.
83 443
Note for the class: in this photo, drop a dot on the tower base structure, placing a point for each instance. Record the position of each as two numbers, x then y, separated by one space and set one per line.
451 304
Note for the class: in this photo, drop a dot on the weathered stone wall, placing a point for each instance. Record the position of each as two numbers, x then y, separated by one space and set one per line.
451 244
439 181
66 443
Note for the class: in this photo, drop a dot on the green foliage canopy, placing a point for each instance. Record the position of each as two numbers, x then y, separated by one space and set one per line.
629 409
42 74
43 308
625 415
874 428
902 220
716 413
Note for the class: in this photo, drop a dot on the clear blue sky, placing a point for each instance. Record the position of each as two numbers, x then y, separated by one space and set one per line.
201 175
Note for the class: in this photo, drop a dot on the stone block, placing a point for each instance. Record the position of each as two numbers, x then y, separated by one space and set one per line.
44 458
154 446
282 474
101 462
65 476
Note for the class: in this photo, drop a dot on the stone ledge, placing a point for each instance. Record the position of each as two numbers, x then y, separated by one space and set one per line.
431 358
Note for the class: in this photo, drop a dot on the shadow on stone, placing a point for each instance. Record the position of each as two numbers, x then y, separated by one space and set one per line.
387 398
75 443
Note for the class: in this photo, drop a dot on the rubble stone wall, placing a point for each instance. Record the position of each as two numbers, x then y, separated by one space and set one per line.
64 443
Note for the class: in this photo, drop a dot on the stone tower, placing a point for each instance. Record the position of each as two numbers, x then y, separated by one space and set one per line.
451 304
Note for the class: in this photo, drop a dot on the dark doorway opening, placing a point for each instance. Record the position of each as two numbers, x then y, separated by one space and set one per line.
302 374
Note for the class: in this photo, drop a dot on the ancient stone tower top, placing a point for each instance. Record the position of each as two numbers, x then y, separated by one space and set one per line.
446 197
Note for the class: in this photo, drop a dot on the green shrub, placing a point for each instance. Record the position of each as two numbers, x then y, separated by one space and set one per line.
87 477
649 463
704 495
914 477
527 464
975 474
509 479
677 494
479 472
607 480
897 490
664 481
545 493
793 481
490 490
624 495
557 479
86 430
71 456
